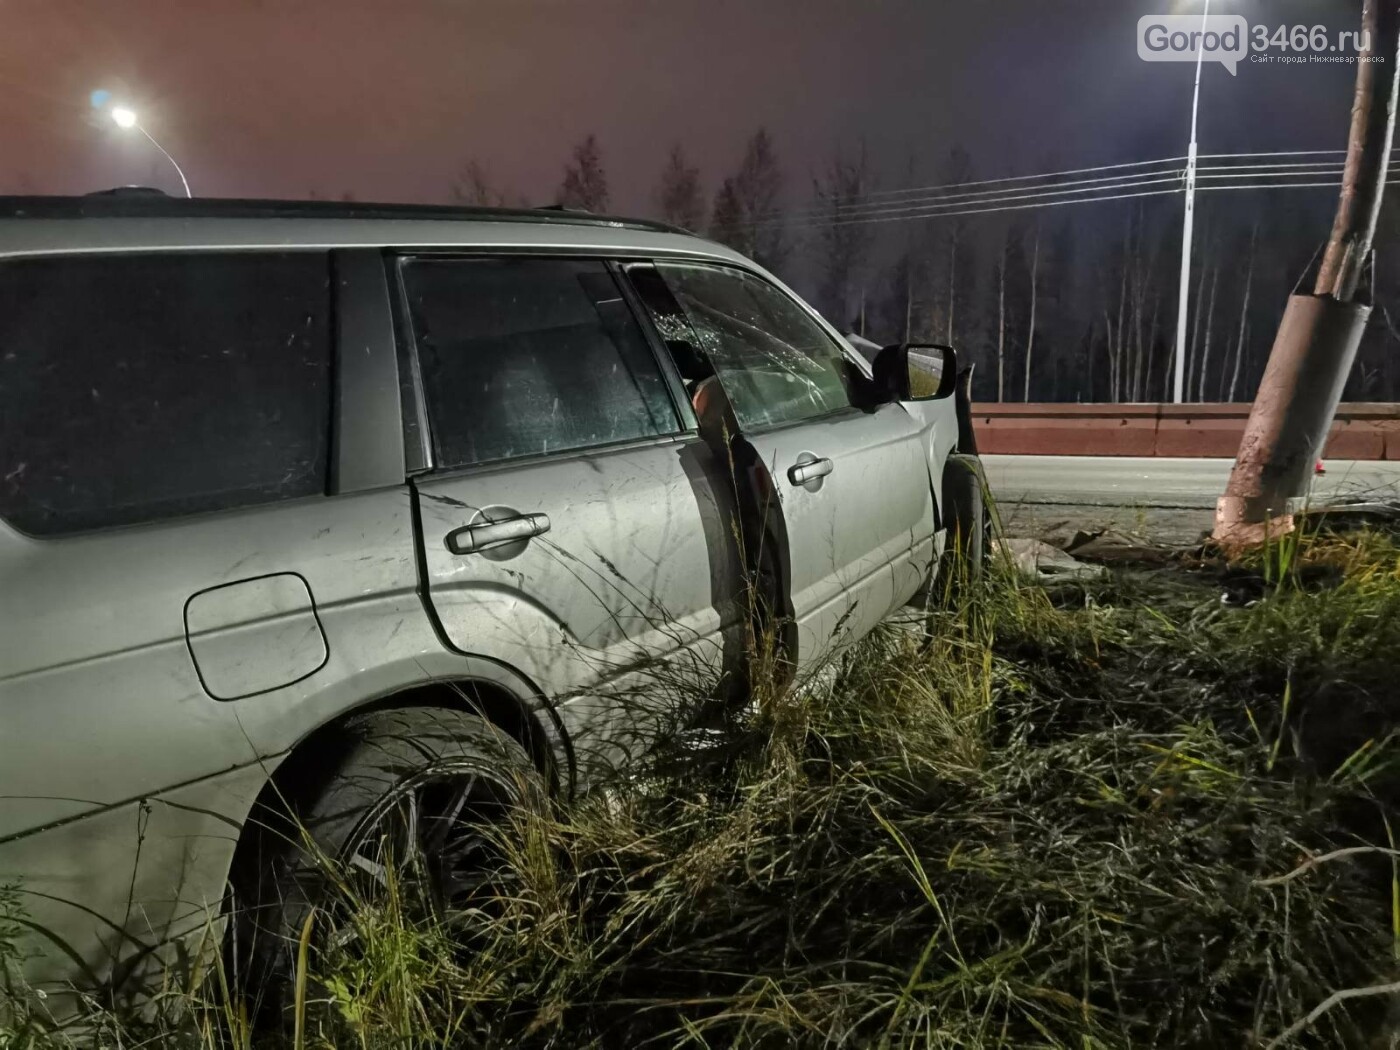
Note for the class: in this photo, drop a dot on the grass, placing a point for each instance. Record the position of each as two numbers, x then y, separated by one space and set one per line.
1130 817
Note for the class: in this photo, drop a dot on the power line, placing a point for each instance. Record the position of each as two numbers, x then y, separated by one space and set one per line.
1017 202
937 205
1079 191
1010 193
997 208
1334 170
1273 153
1271 167
932 198
1026 178
987 210
1292 185
955 190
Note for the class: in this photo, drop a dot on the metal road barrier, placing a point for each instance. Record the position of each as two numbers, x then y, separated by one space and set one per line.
1361 431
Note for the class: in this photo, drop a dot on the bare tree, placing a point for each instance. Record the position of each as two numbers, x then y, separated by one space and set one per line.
585 185
956 171
844 243
1110 354
473 186
727 219
1244 318
1001 315
1030 326
678 192
1143 305
747 214
1204 367
1114 331
1193 345
894 314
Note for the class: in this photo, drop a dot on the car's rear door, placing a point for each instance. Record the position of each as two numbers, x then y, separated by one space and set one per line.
568 523
852 482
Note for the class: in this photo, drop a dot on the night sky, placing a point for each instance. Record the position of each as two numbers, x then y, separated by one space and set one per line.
390 100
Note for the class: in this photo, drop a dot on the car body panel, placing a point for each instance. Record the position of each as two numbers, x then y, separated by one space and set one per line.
111 899
96 658
635 566
858 537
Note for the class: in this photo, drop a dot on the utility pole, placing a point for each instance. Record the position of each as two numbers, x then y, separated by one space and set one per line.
1319 334
1183 297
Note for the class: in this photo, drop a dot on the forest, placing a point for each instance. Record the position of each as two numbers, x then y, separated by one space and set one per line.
1048 303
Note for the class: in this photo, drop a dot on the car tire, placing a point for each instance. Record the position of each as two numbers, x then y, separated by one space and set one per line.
967 518
383 761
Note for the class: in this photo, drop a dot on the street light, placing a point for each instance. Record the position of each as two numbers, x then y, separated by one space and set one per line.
126 118
1184 293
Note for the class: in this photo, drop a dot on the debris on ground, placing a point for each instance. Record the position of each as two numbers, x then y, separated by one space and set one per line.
1243 587
1111 546
1038 560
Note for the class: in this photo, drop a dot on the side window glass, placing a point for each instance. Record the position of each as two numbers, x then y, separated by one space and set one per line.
141 387
776 363
524 357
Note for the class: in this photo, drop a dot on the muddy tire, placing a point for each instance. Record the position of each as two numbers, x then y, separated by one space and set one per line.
968 519
412 789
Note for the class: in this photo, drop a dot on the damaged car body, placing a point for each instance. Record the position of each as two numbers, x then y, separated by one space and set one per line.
285 486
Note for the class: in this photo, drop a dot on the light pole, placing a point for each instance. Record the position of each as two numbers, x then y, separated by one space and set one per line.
126 118
1183 302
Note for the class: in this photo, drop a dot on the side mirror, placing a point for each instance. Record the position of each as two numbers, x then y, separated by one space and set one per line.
915 371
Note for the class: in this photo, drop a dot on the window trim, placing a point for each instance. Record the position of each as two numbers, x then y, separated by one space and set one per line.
419 457
675 385
842 347
368 435
398 257
540 459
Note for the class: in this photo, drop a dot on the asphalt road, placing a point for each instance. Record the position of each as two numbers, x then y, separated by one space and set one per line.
1120 481
1171 500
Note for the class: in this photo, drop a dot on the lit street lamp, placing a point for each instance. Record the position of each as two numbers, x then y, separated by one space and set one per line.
126 118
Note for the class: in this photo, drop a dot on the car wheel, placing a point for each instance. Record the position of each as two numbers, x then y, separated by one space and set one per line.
969 521
408 810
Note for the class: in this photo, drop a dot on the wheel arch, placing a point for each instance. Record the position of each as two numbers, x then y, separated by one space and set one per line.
497 695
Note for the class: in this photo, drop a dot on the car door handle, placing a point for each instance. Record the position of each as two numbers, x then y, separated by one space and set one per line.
803 473
474 538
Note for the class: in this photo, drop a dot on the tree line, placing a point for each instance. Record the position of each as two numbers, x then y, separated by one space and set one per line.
1051 304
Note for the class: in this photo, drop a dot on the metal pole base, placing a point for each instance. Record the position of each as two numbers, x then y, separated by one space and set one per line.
1292 414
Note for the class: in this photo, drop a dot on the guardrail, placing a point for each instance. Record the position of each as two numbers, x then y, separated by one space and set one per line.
1367 431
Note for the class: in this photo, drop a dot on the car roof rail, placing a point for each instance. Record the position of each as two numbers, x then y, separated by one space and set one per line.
128 191
145 203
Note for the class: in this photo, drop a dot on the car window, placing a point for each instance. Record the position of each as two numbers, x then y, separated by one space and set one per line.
523 357
139 387
775 362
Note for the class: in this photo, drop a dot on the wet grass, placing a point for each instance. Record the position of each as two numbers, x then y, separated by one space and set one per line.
1130 816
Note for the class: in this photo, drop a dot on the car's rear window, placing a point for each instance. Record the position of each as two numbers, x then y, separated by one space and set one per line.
140 387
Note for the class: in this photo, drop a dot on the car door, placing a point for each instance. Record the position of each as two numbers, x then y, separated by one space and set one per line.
570 525
852 482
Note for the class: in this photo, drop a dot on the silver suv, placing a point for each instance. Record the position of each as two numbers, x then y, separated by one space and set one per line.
287 488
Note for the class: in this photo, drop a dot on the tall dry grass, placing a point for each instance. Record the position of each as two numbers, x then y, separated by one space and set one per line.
1132 818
